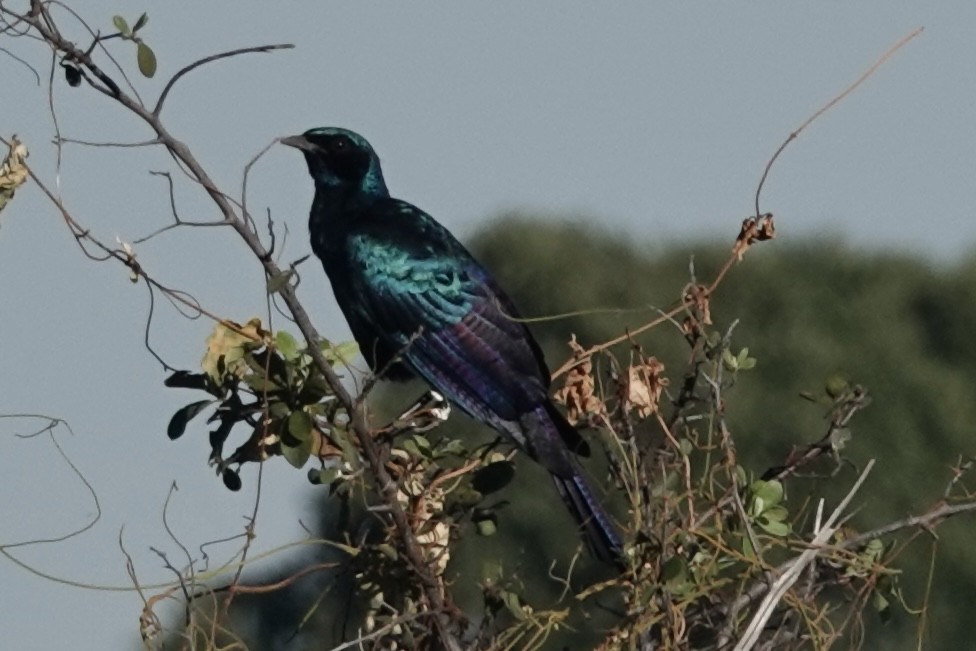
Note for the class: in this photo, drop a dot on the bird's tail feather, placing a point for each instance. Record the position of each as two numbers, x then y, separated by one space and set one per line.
600 533
551 440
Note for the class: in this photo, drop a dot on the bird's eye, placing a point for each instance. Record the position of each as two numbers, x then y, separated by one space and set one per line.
340 144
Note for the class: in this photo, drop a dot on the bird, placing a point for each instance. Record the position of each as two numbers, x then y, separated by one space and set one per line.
420 305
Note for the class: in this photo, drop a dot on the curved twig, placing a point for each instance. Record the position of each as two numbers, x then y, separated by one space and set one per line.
826 107
213 57
13 56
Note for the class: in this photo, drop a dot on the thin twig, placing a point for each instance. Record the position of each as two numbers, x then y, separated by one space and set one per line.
92 143
209 59
19 60
826 107
924 521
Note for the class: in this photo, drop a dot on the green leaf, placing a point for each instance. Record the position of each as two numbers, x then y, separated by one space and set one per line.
778 513
388 550
882 605
836 386
770 492
143 19
300 425
674 571
729 361
297 455
146 59
278 410
486 527
423 445
774 527
287 345
350 454
323 476
340 354
232 355
410 447
758 506
740 475
121 25
450 447
278 281
261 384
747 549
328 475
179 421
514 605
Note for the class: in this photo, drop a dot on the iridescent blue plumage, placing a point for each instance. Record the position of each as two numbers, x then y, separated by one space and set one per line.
419 304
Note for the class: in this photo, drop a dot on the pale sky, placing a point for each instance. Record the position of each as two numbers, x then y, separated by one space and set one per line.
652 120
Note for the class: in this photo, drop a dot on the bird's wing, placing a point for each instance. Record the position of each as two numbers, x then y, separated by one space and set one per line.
419 288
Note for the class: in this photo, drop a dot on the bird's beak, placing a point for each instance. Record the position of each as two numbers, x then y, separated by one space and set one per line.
298 142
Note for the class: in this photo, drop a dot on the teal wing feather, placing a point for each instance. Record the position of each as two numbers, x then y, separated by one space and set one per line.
423 295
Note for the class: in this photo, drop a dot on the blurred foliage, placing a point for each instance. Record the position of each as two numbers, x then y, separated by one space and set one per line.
806 317
808 311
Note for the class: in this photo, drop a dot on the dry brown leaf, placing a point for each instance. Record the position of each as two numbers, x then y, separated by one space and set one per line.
645 384
227 344
753 230
578 392
13 171
425 502
697 296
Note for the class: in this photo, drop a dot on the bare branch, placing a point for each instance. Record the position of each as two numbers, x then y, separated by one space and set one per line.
925 521
177 221
826 107
13 56
89 143
49 430
214 57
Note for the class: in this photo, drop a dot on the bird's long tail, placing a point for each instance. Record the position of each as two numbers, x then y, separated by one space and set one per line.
552 447
599 531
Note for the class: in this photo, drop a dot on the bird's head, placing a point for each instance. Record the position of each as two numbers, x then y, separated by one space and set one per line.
340 160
